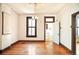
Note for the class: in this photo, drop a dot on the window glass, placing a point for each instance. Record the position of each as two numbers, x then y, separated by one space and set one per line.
29 31
33 31
49 19
33 23
30 22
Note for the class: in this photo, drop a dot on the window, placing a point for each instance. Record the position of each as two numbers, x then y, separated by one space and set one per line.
31 27
49 19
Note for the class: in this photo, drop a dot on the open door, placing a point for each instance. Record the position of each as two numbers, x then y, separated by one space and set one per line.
56 32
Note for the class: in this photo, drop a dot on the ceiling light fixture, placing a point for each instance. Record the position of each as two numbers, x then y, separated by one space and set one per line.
35 17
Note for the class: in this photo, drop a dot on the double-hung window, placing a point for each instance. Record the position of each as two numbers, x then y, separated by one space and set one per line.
31 27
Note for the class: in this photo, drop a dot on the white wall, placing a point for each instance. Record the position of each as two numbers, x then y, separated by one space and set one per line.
0 28
40 26
7 40
64 16
22 28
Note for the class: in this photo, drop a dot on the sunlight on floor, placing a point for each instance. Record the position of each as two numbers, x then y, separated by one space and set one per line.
48 44
31 50
49 40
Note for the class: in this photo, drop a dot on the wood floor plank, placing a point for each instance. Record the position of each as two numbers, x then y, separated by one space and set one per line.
35 48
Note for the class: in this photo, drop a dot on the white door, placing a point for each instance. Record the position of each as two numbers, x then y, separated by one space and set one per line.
56 32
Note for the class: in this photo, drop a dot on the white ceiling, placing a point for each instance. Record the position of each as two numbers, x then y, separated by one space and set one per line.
24 8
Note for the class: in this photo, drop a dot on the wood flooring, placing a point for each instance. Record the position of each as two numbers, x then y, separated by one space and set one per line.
35 48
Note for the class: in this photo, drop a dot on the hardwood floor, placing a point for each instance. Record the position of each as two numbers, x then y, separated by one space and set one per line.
35 48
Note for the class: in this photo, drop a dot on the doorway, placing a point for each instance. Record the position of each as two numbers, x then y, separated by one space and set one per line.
59 33
48 27
75 33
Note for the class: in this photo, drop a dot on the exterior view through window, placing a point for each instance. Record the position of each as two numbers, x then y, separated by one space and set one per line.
31 27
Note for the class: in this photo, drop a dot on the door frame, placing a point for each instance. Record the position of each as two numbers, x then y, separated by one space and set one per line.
47 22
59 32
73 32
